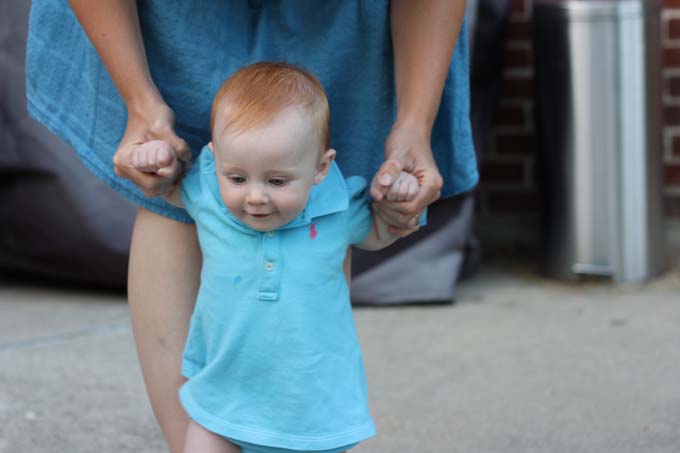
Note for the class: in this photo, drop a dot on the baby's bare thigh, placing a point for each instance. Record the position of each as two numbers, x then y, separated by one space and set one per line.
200 440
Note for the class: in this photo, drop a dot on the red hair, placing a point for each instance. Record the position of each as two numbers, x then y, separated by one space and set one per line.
257 93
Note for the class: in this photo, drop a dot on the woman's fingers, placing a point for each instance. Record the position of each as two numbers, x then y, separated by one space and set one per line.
401 205
409 227
149 184
181 149
401 214
174 168
402 232
150 154
385 176
395 215
151 166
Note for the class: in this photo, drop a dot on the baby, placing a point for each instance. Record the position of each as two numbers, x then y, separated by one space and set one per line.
272 359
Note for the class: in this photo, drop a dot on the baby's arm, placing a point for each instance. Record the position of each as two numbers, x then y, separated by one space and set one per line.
159 158
405 188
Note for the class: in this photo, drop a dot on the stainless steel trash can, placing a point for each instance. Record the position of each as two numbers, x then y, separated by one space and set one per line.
598 125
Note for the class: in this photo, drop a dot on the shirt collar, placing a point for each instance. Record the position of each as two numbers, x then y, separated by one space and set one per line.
328 197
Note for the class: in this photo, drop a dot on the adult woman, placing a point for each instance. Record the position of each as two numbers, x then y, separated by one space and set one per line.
190 48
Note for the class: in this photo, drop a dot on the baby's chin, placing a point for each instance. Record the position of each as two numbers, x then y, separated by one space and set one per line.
264 223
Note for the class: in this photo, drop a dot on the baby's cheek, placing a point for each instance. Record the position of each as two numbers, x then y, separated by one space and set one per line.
295 199
230 198
290 208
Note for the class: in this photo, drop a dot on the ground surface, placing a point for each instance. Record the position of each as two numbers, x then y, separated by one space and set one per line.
517 364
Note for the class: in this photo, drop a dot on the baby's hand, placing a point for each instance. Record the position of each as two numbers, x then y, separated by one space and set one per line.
156 156
405 188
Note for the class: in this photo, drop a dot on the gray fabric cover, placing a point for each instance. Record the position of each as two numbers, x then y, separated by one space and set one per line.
58 220
424 267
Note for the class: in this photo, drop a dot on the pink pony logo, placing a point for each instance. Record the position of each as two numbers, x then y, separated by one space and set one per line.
312 231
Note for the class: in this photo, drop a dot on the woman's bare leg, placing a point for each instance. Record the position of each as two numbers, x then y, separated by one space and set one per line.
163 279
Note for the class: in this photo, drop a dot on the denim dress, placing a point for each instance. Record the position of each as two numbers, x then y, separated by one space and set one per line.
192 46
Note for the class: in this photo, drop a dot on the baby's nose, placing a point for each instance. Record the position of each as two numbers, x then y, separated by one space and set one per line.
257 196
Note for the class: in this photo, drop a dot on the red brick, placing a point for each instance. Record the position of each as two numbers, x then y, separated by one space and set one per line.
671 58
671 116
672 205
672 174
674 28
517 58
518 6
676 146
502 172
671 3
519 31
514 88
513 201
674 86
510 115
523 144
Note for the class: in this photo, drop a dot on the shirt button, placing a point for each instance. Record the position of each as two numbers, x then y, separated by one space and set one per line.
269 265
270 234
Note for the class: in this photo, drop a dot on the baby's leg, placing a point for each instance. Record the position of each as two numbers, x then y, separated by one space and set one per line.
200 440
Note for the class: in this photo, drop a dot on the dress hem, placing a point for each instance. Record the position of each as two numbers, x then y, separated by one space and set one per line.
75 141
268 438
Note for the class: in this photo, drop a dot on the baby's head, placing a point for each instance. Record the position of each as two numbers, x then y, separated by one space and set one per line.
269 128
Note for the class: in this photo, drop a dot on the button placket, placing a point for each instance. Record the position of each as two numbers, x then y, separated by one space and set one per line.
270 273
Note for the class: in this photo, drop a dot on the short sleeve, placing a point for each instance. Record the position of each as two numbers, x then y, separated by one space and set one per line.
190 190
359 215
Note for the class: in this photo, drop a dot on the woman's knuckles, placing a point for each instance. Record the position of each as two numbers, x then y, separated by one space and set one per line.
161 128
182 149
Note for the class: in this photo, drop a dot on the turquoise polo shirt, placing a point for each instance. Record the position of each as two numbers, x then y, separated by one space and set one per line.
272 356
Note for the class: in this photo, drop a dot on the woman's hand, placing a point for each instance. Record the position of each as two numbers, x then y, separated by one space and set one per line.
113 28
423 37
146 123
407 148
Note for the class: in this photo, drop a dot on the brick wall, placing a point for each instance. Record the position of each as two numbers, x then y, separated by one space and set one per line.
508 199
670 41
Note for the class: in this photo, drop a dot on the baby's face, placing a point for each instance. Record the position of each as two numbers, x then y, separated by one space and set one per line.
266 174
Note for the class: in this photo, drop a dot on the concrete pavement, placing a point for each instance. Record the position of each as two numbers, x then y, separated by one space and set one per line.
518 364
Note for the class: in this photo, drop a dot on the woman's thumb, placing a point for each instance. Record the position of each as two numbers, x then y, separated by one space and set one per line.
388 172
171 170
181 149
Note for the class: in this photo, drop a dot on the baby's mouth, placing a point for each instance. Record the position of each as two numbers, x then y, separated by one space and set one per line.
259 216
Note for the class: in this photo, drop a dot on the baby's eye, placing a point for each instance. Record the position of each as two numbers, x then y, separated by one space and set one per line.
237 179
277 181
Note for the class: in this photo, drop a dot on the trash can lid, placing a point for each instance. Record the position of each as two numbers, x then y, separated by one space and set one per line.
597 9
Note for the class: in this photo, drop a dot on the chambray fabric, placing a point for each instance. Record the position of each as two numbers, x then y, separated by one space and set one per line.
192 46
272 356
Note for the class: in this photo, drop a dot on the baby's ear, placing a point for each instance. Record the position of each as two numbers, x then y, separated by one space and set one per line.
324 165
